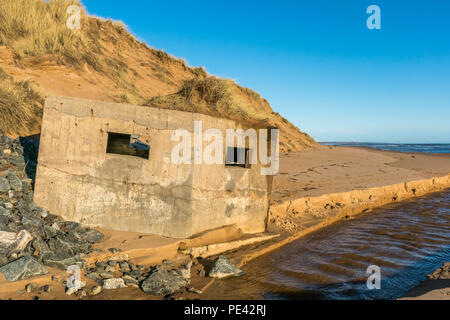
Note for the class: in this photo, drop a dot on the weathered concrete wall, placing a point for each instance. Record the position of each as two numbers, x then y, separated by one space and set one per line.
78 180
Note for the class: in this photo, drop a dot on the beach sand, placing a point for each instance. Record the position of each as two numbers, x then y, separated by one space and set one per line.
330 169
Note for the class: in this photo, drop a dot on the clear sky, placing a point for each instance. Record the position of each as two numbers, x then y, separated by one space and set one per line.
315 61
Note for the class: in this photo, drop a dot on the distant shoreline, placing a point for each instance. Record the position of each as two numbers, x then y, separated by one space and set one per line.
446 154
420 148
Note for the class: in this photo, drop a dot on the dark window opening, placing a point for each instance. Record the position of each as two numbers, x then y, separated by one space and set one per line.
238 157
126 144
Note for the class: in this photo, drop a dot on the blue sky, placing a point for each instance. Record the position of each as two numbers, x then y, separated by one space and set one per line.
316 62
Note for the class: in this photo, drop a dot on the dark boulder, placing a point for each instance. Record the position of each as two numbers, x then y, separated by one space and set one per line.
61 260
223 268
22 268
161 282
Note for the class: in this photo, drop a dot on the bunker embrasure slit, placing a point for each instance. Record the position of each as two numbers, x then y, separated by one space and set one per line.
127 144
238 157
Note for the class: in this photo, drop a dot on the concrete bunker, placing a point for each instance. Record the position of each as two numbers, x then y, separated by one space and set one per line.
109 165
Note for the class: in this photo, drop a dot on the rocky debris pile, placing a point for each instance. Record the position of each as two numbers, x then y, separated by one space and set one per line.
30 236
223 268
162 280
441 273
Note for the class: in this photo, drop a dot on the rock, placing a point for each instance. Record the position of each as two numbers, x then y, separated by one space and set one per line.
47 288
112 263
201 273
30 287
40 246
3 260
72 290
32 224
168 263
119 257
67 245
114 250
191 289
93 276
96 290
185 271
441 273
23 268
51 231
135 274
106 275
129 281
136 267
44 214
11 242
114 283
93 236
61 260
162 282
14 182
4 212
223 268
70 226
16 161
4 185
82 294
124 266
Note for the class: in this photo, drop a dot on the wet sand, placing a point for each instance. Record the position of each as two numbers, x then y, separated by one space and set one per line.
430 289
436 287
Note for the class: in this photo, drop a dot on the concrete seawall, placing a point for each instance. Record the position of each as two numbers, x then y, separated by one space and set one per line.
302 216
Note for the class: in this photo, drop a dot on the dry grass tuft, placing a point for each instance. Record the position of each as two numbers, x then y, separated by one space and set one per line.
211 95
36 27
20 105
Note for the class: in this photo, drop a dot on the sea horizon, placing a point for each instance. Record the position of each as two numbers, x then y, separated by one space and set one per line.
401 147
